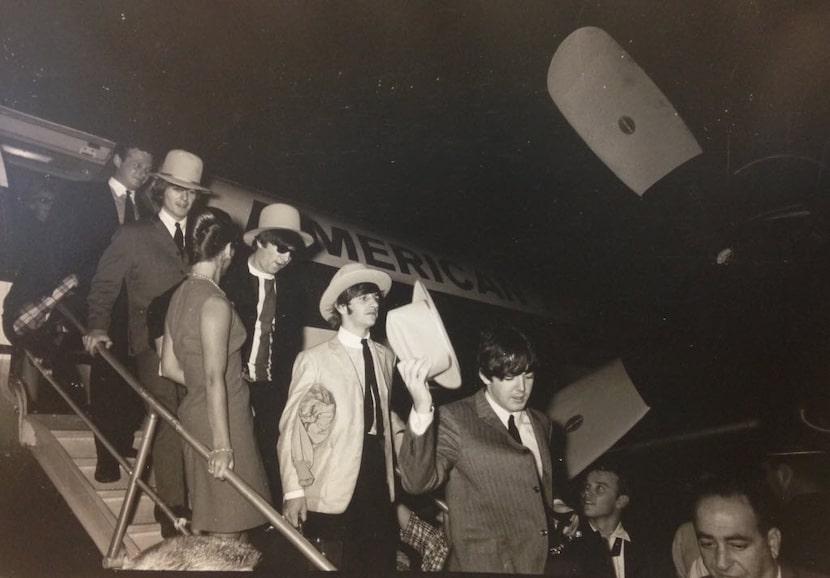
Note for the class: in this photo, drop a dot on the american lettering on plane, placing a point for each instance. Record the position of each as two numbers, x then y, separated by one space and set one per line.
338 244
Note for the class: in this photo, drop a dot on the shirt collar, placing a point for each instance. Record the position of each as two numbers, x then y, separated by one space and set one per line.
117 187
502 413
619 532
349 339
256 272
170 222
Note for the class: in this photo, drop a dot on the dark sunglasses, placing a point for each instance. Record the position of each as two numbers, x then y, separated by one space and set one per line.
284 248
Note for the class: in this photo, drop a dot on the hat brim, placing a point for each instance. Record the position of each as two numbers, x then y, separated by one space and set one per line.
340 284
404 348
179 182
249 236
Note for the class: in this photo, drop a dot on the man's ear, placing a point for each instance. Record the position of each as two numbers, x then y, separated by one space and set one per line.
622 501
484 379
774 542
116 160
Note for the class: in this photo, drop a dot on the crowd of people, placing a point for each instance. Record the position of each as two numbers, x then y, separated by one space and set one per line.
199 312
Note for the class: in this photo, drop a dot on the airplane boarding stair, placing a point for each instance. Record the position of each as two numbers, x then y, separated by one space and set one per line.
64 446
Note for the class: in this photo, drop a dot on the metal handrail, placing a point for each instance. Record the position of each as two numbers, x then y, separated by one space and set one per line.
134 472
274 517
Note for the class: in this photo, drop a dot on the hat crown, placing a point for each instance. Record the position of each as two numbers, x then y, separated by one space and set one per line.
182 166
280 216
417 331
347 276
346 270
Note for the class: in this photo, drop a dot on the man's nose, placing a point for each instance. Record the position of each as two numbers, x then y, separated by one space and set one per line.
722 560
521 383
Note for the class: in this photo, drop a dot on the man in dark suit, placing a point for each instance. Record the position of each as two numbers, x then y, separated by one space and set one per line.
268 308
98 212
148 258
493 454
605 495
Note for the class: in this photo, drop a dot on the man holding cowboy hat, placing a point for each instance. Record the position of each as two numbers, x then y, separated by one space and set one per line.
335 445
148 257
268 309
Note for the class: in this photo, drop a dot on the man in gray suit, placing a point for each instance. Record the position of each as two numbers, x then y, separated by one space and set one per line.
147 257
493 453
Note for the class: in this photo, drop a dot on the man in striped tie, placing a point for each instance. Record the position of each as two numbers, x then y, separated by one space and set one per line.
268 307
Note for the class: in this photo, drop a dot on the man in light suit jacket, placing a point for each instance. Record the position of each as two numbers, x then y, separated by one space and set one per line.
335 444
148 258
493 454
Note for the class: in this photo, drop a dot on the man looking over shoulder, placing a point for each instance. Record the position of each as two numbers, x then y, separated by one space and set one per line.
605 496
252 284
493 454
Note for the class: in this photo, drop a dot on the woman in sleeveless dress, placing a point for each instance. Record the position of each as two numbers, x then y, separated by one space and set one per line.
203 337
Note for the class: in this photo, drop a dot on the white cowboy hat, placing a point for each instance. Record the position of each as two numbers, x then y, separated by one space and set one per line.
281 217
416 330
349 275
183 169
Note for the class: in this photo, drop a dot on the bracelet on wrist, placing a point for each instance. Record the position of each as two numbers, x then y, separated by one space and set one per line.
221 450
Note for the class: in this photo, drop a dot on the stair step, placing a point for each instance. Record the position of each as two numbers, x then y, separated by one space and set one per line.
77 443
143 511
145 535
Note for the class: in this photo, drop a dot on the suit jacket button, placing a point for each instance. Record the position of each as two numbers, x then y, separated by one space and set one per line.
543 532
536 489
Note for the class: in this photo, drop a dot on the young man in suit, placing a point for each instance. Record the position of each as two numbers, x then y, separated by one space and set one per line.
493 454
267 309
335 444
604 496
147 257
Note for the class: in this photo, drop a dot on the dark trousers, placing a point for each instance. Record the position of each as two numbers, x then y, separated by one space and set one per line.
114 406
268 402
367 530
168 460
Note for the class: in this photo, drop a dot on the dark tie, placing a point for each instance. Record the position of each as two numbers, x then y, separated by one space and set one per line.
616 549
513 430
178 237
129 209
371 409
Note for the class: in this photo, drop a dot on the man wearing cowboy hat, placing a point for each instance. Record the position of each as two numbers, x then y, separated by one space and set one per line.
335 445
266 306
148 258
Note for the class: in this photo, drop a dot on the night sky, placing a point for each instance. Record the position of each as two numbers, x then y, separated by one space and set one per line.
432 122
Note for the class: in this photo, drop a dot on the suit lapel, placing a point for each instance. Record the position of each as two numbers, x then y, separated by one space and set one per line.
487 415
347 367
169 244
543 442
